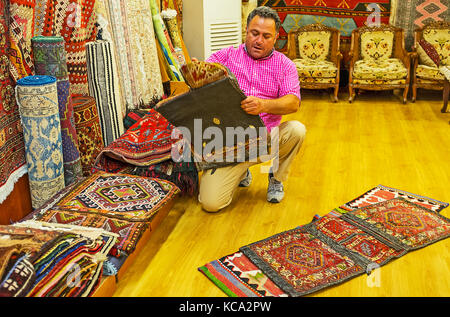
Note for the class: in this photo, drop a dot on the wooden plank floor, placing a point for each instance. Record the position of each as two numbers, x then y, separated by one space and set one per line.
349 149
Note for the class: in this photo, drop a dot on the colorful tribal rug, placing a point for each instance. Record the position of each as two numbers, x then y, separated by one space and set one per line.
12 150
104 87
50 59
344 15
413 14
120 196
38 105
128 232
21 30
89 132
74 20
145 143
369 246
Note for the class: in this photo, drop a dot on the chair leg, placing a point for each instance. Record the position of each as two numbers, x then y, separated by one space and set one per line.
336 91
351 93
414 92
405 94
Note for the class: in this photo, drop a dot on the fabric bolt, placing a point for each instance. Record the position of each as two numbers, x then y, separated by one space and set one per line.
165 42
50 59
104 87
412 14
12 150
88 129
74 20
120 196
272 77
38 105
170 18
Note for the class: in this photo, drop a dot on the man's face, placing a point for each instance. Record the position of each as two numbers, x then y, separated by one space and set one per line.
261 37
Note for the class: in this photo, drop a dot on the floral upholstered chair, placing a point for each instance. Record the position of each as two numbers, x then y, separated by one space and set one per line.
314 49
378 60
432 48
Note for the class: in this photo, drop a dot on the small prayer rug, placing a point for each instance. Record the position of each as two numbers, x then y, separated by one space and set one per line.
89 132
50 59
299 263
382 193
38 105
401 222
120 196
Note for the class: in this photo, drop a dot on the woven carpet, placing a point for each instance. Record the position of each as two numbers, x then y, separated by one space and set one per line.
104 87
38 105
344 15
12 150
50 59
74 20
412 14
120 196
130 27
21 29
384 229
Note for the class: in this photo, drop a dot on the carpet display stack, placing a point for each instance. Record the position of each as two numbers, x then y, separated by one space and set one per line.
38 105
50 59
353 239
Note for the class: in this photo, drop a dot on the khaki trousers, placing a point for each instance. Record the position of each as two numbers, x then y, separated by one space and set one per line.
217 187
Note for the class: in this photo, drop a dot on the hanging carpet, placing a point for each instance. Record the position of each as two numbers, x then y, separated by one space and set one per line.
12 150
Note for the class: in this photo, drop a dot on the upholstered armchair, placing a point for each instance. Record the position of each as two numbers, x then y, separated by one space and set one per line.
314 49
378 60
432 48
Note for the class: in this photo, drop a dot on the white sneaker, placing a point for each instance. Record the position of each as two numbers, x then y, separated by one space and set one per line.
275 191
247 180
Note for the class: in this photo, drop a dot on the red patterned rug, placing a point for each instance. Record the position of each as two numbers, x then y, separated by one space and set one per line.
344 15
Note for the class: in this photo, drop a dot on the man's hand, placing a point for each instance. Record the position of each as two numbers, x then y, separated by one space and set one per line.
253 105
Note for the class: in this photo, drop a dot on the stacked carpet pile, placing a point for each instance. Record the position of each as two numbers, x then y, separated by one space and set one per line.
49 260
369 231
50 59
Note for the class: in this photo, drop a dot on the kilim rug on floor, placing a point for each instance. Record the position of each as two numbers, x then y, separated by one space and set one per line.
120 196
12 151
413 14
50 59
74 20
344 15
237 275
89 132
38 105
104 87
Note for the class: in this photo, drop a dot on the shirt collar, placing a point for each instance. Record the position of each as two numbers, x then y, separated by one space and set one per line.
259 59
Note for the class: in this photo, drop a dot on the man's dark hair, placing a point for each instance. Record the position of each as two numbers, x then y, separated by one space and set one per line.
267 13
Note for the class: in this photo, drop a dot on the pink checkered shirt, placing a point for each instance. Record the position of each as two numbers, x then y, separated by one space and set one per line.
272 77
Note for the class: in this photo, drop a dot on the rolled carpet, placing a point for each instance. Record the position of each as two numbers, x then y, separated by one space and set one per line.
104 87
50 59
37 98
88 129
